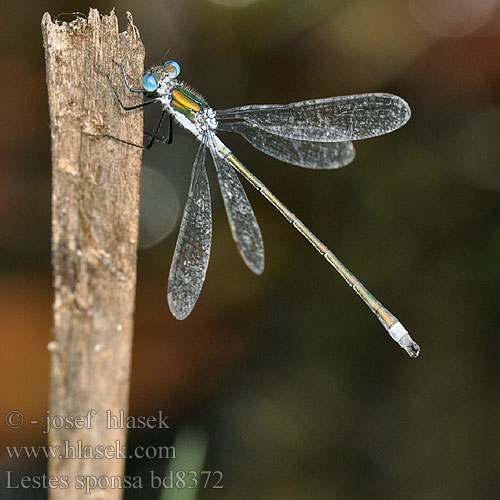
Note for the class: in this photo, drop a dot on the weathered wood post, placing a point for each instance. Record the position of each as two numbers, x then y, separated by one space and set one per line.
95 213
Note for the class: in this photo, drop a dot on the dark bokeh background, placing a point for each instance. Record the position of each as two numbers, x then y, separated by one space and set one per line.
299 389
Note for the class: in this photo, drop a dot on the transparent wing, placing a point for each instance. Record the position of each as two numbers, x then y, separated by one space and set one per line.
307 154
334 119
244 226
192 250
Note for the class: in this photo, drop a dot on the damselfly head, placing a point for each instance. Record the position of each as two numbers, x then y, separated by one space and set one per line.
152 79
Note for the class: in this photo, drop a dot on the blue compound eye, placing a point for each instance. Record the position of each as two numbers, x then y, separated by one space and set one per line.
172 69
149 83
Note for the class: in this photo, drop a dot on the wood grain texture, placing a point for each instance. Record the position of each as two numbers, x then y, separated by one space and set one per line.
95 214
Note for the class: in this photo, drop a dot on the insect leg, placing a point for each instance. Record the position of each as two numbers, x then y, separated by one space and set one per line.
126 108
162 139
154 136
129 86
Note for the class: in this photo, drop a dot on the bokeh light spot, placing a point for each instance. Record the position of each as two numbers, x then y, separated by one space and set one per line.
453 18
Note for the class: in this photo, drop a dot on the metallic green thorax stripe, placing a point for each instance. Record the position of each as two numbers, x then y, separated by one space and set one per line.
188 113
186 102
191 95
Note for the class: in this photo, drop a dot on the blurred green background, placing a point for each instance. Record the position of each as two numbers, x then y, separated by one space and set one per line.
301 392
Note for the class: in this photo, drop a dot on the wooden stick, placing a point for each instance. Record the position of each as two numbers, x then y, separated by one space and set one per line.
95 214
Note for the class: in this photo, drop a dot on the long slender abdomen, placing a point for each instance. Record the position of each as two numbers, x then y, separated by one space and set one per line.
388 320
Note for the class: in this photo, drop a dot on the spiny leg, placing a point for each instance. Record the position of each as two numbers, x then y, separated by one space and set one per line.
154 136
129 86
113 87
158 138
170 130
117 139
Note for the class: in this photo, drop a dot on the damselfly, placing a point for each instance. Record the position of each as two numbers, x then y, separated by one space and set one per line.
314 134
